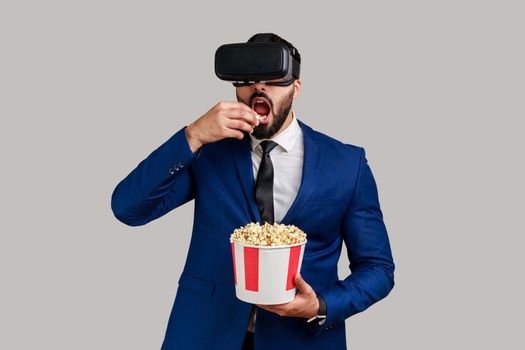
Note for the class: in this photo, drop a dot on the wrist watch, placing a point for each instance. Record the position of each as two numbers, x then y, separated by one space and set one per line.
320 318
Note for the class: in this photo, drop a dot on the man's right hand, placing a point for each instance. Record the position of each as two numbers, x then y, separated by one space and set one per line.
225 119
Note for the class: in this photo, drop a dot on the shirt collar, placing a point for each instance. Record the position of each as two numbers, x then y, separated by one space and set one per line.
286 138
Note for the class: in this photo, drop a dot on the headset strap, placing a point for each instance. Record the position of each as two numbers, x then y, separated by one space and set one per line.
262 37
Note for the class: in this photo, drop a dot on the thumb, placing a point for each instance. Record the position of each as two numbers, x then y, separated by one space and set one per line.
300 283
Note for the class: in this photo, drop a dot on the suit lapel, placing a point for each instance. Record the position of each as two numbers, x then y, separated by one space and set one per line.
242 152
311 162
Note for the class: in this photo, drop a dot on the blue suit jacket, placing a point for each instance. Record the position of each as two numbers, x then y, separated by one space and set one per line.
337 201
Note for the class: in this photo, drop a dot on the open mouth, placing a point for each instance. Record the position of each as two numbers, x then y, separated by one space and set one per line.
262 107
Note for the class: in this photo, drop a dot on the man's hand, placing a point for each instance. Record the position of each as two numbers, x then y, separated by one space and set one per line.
225 119
305 303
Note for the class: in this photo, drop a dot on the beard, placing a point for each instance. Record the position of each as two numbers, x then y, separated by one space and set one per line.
266 131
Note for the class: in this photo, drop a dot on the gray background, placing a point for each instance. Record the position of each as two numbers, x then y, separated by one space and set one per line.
432 89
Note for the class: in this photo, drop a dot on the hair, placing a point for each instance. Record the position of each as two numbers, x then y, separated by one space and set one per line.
277 39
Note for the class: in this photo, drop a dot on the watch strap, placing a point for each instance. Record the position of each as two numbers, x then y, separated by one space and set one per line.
320 318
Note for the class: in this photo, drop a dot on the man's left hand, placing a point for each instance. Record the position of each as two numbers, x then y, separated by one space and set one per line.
305 303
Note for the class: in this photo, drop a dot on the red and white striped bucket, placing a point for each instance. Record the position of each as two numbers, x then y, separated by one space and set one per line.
265 274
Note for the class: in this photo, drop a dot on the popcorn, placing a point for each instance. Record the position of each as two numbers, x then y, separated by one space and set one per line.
268 235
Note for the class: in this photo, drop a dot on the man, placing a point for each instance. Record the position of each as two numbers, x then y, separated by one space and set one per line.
242 169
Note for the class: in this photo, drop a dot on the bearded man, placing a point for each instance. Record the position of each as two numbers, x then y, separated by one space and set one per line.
253 160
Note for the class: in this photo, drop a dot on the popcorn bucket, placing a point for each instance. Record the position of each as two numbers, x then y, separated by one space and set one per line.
265 274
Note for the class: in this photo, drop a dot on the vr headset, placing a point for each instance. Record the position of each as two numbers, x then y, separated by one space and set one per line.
258 61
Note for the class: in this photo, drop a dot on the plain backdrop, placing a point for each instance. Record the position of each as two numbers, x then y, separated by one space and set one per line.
433 90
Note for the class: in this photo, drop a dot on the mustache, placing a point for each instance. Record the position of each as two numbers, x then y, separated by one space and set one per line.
261 94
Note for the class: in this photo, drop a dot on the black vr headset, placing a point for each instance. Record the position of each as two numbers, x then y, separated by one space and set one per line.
258 61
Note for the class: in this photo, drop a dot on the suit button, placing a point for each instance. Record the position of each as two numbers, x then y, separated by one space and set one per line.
171 171
181 164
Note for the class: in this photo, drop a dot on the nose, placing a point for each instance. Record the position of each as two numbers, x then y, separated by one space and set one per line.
259 86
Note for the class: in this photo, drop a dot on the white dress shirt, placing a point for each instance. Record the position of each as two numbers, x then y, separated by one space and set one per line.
287 160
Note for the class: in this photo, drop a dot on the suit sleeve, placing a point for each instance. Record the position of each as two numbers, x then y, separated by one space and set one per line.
160 183
371 263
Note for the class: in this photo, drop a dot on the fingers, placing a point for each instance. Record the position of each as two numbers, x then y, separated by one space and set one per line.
229 119
241 114
235 105
238 125
288 309
238 110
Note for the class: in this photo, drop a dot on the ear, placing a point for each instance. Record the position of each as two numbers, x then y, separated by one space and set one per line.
297 88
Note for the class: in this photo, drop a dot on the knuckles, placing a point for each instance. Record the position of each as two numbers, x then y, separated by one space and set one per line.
223 129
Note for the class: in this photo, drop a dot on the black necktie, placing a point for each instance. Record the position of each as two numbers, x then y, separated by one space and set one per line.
264 183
